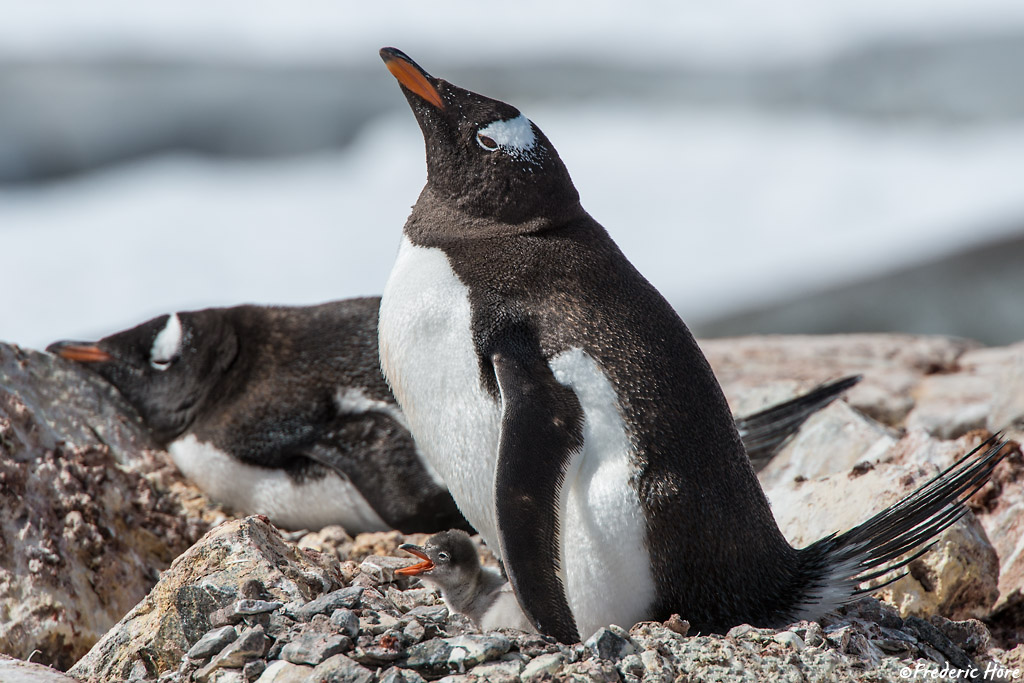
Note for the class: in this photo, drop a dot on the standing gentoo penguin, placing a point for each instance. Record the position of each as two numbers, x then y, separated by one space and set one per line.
450 564
573 416
280 411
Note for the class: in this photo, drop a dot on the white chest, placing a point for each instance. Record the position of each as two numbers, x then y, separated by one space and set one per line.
310 504
428 357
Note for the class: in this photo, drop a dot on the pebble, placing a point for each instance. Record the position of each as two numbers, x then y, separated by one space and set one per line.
340 668
375 600
250 645
252 670
381 568
250 606
281 671
789 639
545 664
502 671
610 643
414 631
429 613
326 604
376 623
396 675
213 642
456 655
347 621
313 648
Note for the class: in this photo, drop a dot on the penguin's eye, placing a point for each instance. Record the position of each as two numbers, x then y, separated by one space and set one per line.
443 556
487 143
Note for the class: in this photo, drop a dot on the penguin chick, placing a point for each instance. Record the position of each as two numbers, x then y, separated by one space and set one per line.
279 411
451 565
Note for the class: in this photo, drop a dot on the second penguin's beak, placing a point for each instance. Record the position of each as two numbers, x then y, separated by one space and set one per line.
79 351
411 76
415 570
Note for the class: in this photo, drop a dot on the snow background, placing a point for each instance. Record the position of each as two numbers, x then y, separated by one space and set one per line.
721 205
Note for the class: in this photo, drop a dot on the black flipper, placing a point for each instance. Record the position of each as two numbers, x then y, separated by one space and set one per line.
403 494
833 567
765 432
541 429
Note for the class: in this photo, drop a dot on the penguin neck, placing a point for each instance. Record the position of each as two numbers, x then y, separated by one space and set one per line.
437 220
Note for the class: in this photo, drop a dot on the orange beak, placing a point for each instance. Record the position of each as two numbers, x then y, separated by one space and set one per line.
415 570
82 353
410 76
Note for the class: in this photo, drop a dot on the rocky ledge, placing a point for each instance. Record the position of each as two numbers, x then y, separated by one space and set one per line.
92 517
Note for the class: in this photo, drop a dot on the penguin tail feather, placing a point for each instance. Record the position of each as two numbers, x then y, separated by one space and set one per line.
835 567
765 432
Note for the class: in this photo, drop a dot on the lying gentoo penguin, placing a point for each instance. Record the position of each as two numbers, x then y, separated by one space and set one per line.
573 416
280 411
450 564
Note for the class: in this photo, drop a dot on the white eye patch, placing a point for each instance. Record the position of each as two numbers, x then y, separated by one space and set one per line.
515 137
167 344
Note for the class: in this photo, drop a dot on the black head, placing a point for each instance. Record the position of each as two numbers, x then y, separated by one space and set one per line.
164 367
484 157
449 560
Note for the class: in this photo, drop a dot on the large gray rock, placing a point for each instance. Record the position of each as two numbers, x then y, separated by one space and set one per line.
84 528
958 578
177 613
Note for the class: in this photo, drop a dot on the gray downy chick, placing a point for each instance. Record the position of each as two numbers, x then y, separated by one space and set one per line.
451 565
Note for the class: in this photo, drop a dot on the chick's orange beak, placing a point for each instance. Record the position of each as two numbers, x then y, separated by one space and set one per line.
415 570
410 76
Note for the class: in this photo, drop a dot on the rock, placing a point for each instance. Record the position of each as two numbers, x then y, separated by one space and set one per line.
382 543
347 621
610 643
940 580
281 671
313 648
789 639
341 669
429 613
213 642
833 440
957 578
250 645
326 604
381 569
331 539
254 669
17 671
677 624
999 507
249 607
892 366
501 671
172 618
589 671
544 665
456 655
414 631
396 675
84 530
